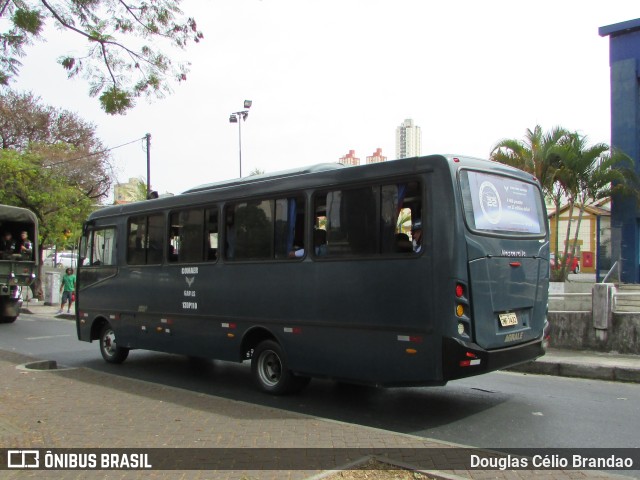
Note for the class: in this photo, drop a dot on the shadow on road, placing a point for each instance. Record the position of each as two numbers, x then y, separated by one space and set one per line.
406 410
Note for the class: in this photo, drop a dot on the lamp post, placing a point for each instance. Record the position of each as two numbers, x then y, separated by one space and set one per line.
236 117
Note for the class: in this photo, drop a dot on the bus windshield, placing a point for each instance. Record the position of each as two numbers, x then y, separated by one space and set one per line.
501 205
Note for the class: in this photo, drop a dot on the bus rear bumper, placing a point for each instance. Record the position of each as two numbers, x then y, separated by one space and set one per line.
465 359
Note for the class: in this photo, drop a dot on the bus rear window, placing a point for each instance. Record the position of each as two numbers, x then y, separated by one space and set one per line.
503 205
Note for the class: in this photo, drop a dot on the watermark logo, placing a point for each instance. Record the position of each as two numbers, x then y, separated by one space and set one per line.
23 459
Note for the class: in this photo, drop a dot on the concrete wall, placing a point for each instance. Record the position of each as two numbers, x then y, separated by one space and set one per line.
574 330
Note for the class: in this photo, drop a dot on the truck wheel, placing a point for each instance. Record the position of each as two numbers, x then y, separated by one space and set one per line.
270 370
109 349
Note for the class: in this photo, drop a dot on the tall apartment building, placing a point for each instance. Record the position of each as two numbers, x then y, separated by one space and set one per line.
350 159
377 157
408 140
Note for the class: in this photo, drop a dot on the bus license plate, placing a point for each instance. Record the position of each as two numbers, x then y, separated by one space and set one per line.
508 319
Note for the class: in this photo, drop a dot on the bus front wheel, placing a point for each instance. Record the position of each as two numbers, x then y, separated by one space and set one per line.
271 372
109 349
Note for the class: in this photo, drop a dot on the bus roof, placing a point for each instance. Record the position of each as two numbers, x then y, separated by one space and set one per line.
322 167
306 177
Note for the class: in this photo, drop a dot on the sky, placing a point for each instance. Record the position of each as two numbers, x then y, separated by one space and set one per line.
330 76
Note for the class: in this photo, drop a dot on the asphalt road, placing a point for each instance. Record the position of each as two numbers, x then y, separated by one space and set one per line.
496 410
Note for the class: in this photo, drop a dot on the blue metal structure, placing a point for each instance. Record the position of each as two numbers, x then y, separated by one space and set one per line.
624 59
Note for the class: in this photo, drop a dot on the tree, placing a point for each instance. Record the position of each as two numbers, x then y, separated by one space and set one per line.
538 154
59 204
586 175
61 139
117 70
571 170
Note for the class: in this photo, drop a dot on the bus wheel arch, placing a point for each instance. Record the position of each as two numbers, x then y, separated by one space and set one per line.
271 372
252 339
96 327
109 349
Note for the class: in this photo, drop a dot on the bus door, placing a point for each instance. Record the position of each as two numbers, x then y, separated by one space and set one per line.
508 258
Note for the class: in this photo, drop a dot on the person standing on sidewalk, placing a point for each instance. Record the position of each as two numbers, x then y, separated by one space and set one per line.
67 288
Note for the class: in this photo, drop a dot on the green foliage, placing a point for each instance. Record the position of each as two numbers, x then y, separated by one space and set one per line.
57 203
117 71
28 20
62 140
116 101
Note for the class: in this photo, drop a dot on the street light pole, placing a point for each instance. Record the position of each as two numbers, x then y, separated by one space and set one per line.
239 117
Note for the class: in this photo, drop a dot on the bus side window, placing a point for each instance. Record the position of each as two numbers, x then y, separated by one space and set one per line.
156 237
136 238
350 221
289 228
211 234
401 206
103 247
145 239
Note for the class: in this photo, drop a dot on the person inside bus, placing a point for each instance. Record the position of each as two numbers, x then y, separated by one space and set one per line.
7 245
320 242
416 235
24 247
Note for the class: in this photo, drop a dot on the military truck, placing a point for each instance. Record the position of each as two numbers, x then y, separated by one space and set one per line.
18 258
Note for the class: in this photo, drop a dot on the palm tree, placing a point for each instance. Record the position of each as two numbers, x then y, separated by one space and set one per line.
536 154
540 155
588 174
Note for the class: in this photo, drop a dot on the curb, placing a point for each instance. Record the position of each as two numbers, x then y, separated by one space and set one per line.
592 372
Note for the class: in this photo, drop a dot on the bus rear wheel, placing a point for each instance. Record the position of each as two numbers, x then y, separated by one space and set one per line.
111 352
270 370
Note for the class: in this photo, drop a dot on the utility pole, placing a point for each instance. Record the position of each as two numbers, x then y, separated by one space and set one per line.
148 137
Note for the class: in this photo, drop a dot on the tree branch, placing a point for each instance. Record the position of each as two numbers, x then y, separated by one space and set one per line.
4 7
93 38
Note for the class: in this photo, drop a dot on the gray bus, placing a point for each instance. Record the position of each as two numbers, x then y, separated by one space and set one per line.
408 272
18 258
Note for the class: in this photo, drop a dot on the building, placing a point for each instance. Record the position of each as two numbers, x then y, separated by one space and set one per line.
132 191
350 159
377 157
408 140
595 227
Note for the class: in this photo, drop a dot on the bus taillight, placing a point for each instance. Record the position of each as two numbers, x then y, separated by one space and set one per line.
471 360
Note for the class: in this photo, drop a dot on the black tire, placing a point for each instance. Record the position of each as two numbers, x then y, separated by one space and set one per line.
111 352
8 319
270 370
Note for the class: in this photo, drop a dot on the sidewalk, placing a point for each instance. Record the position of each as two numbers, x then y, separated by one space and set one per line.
85 408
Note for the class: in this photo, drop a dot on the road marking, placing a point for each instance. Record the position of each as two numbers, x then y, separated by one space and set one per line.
47 337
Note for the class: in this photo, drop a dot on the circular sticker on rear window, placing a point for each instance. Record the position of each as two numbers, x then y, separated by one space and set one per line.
490 202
